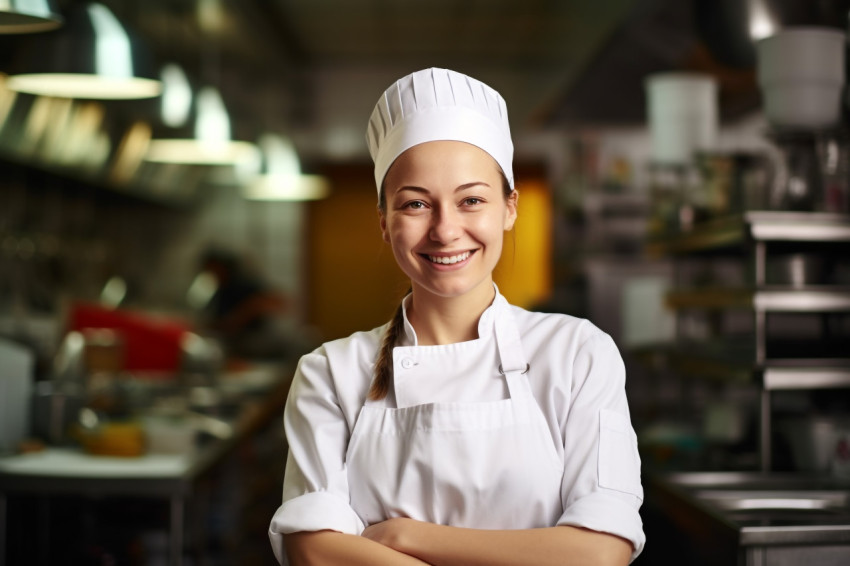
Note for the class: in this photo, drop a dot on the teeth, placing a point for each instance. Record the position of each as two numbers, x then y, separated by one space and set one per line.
450 259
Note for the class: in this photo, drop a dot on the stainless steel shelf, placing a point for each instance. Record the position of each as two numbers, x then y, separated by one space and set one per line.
767 299
738 365
764 226
787 378
752 236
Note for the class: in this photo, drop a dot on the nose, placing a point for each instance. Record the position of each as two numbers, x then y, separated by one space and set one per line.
445 225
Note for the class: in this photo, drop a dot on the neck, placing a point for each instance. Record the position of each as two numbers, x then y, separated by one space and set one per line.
448 320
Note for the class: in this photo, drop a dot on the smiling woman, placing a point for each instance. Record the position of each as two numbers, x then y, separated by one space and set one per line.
444 217
466 430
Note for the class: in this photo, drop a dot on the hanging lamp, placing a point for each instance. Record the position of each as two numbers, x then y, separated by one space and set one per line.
91 57
281 178
211 143
28 16
175 104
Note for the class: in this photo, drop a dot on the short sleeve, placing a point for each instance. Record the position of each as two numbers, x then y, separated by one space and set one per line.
315 486
601 488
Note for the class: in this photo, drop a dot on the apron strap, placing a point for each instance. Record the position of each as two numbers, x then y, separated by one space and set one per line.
512 361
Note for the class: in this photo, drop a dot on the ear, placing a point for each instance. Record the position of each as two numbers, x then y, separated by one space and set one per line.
383 221
511 212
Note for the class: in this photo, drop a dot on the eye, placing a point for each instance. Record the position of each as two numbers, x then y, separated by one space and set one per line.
414 205
472 201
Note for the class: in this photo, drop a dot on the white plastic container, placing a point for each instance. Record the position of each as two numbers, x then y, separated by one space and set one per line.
169 435
801 75
16 384
683 115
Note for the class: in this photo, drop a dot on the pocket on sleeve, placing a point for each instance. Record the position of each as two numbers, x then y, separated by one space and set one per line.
619 462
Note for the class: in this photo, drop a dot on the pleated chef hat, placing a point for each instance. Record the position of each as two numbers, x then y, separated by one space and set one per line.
438 104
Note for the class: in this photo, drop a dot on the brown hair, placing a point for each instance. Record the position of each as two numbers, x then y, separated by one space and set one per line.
383 365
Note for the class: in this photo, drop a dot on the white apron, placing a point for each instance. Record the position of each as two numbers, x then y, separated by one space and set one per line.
486 465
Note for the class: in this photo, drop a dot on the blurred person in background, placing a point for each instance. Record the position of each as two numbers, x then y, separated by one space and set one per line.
243 312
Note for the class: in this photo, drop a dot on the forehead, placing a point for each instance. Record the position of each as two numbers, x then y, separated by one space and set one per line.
440 162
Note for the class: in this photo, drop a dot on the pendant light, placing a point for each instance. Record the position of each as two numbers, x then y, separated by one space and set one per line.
280 178
91 57
211 143
28 16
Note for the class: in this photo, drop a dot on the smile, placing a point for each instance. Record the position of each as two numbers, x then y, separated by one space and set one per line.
448 260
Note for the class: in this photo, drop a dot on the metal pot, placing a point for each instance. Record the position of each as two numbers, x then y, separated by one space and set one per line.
796 270
55 408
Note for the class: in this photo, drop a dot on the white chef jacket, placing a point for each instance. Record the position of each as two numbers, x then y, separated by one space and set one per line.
578 381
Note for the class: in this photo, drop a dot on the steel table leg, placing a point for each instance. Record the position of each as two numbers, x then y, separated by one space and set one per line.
3 529
177 524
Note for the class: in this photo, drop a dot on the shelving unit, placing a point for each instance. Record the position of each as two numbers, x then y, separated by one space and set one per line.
752 236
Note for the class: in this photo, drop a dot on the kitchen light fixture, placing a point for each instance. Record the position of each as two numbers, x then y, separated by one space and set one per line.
176 99
281 177
212 143
28 16
762 22
93 57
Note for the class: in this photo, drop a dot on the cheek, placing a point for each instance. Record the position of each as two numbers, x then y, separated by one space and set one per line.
492 229
401 237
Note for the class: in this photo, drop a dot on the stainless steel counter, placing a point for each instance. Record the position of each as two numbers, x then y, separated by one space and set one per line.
171 477
756 519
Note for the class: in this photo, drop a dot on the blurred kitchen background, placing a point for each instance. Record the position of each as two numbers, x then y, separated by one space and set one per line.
187 206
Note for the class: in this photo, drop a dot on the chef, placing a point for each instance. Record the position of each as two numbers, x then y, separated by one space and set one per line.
466 430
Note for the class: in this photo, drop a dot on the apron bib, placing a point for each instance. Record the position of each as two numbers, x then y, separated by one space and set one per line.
486 465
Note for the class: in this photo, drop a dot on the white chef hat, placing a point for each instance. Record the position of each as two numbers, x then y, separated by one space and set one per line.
438 104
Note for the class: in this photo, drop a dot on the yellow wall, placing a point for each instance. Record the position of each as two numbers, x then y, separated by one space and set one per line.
524 274
353 281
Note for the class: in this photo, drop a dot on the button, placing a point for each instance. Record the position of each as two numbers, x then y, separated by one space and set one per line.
407 363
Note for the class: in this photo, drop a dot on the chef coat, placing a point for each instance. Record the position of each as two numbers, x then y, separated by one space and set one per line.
576 377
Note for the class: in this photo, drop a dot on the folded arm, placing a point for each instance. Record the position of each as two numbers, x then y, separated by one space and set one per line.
453 546
329 548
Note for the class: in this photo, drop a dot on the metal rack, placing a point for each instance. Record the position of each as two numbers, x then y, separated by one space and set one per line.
751 235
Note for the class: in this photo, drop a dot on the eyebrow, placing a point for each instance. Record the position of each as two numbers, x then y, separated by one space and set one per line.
459 188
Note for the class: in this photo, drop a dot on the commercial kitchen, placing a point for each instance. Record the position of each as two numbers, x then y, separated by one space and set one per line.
187 207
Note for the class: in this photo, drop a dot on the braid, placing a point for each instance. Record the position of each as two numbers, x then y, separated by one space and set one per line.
383 367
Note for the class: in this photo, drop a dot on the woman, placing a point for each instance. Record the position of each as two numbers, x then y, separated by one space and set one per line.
466 431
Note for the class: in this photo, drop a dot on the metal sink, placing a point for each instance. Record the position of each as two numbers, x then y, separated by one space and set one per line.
766 499
776 500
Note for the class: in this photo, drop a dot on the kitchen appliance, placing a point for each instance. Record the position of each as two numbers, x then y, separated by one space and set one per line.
798 184
811 172
801 73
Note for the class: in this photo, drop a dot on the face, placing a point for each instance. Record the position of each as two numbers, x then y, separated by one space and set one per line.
445 218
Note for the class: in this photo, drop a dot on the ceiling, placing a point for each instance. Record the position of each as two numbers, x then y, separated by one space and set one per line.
318 66
312 69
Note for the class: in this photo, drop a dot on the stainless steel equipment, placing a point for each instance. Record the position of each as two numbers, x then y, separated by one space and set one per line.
798 184
749 519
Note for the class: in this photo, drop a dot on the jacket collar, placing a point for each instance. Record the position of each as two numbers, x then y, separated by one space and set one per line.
485 323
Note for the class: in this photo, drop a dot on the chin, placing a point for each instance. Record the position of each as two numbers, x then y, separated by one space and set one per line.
452 290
